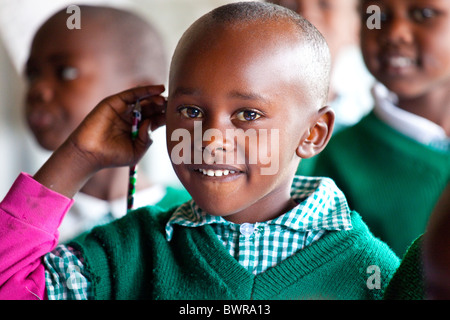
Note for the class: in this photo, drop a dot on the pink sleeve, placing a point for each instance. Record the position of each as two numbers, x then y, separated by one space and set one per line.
30 215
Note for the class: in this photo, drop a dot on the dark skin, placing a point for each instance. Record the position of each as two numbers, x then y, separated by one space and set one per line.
249 88
260 81
103 140
68 73
436 250
410 55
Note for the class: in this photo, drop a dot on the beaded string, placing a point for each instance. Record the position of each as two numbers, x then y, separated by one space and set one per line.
133 169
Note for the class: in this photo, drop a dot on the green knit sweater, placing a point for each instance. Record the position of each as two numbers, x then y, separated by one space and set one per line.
391 180
131 259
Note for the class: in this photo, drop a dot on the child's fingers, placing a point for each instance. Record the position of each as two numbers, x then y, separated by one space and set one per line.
123 99
152 107
158 120
140 93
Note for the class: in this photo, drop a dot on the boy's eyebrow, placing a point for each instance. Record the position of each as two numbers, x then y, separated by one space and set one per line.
247 96
233 94
184 91
57 57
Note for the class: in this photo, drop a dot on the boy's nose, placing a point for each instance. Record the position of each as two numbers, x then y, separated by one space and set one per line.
39 91
215 149
398 31
215 141
214 144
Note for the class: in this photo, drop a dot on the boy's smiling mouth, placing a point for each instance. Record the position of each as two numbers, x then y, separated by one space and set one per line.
401 62
217 170
215 173
396 63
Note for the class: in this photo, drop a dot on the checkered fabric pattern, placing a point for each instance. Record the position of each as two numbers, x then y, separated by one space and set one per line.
321 207
66 278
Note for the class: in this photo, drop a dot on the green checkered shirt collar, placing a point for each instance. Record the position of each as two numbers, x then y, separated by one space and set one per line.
321 206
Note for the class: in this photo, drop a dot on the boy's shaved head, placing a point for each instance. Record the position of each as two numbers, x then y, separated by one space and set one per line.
315 52
135 42
255 69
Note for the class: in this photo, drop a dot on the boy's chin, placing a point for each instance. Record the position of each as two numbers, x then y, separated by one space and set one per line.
405 90
216 208
48 144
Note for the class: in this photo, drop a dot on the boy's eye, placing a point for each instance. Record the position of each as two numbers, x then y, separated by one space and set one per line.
384 16
67 73
191 112
422 14
248 115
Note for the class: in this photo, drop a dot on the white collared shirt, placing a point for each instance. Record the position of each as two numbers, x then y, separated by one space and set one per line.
411 125
322 207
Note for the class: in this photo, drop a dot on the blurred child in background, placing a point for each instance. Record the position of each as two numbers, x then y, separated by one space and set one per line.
340 24
69 71
395 163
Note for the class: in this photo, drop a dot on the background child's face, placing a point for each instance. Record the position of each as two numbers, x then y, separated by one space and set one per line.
231 80
337 20
410 54
68 73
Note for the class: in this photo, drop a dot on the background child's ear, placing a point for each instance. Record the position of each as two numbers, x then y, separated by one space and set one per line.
319 135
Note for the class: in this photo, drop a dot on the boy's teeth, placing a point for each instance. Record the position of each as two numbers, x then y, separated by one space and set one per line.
215 173
400 62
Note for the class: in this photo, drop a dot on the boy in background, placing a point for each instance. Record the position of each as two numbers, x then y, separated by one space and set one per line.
394 164
246 234
340 24
69 72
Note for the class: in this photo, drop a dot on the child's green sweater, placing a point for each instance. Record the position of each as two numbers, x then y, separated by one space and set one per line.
391 180
195 264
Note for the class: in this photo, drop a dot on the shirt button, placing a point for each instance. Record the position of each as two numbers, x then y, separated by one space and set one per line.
247 229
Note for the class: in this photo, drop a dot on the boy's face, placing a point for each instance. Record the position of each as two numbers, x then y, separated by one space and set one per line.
410 53
228 81
68 73
337 20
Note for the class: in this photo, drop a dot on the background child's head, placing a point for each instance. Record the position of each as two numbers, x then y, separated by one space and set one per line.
70 70
244 67
410 52
337 20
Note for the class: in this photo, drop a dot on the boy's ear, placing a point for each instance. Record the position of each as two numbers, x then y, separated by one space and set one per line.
319 134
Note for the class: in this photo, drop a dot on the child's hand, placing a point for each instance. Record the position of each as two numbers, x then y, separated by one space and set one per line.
104 137
104 140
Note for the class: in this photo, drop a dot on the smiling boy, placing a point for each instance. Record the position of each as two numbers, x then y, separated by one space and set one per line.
245 235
